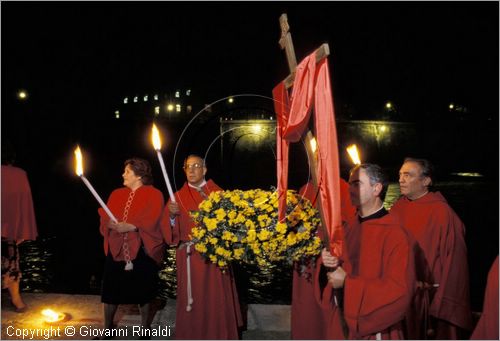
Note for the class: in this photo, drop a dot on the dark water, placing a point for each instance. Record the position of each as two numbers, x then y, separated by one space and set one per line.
57 264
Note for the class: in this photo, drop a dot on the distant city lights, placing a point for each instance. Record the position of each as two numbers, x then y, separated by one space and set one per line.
469 174
22 95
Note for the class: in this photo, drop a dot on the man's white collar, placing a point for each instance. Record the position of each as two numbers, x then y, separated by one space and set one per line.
203 183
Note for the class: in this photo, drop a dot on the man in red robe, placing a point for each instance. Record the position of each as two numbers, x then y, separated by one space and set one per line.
309 319
487 326
18 225
441 306
207 301
377 274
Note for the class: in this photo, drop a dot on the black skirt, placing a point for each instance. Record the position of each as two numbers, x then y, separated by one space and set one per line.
137 286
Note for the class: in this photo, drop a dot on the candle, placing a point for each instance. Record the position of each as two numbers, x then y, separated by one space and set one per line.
79 172
157 146
353 153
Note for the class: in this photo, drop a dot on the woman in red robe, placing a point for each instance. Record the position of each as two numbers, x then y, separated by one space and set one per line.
134 245
207 301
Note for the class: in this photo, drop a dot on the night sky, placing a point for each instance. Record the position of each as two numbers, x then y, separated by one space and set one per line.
83 58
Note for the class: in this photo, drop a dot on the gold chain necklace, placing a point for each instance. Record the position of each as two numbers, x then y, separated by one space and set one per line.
126 250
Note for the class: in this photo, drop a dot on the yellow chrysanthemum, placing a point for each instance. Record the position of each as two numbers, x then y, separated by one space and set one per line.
200 248
226 235
250 224
210 223
264 235
219 251
281 228
291 239
220 213
238 253
251 235
206 205
225 228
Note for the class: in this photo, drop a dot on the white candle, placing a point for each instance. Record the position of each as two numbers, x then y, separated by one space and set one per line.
103 205
155 138
165 175
79 172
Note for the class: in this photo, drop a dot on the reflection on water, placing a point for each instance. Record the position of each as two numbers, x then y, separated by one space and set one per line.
475 200
254 285
37 275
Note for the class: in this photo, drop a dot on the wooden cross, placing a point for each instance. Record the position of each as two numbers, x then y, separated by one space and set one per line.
286 43
322 52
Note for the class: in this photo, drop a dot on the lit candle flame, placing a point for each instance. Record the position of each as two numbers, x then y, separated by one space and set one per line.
51 315
79 172
353 153
156 138
157 146
79 161
314 144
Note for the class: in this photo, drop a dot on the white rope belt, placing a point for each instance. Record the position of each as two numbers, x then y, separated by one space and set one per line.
188 268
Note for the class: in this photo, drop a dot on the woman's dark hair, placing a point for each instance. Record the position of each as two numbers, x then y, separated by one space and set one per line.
141 168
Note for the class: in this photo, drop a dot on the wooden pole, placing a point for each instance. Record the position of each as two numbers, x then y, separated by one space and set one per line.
322 52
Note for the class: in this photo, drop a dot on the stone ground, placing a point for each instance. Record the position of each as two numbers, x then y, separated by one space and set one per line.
84 312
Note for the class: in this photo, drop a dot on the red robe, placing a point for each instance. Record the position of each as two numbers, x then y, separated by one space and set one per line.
215 310
487 326
309 320
145 212
440 258
380 278
18 215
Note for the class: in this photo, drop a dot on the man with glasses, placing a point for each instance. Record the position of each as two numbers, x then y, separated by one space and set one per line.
207 301
441 306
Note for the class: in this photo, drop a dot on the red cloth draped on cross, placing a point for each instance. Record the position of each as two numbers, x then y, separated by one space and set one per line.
311 89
